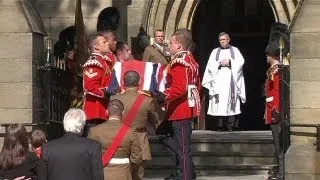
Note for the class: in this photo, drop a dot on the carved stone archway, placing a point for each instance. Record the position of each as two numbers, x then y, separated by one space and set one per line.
170 15
173 14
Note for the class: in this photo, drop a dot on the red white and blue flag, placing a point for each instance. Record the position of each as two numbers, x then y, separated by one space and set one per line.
152 76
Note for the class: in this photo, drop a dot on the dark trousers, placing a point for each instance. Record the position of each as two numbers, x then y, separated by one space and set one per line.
229 122
178 143
276 134
89 124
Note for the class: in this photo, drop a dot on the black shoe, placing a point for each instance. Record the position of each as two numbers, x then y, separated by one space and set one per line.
275 176
230 129
169 178
179 176
172 176
194 175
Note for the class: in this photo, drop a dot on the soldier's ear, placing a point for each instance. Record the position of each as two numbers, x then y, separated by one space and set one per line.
95 47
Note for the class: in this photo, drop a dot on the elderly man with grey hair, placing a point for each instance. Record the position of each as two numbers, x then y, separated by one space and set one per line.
73 156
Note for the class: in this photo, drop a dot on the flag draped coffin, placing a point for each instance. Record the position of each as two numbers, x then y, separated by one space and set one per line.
152 75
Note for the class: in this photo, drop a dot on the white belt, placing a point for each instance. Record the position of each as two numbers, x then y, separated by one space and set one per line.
269 99
119 161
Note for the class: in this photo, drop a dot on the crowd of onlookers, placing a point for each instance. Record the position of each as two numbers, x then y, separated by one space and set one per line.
27 155
21 153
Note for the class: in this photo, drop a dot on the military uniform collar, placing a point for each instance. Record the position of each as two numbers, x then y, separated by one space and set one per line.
98 54
180 54
132 89
275 64
110 53
158 45
113 119
273 69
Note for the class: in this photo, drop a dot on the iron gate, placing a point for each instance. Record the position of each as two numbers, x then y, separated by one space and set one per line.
57 84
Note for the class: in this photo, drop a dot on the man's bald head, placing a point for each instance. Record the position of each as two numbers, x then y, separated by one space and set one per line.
115 108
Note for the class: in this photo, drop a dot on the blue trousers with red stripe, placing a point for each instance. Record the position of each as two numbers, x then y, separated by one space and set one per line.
178 143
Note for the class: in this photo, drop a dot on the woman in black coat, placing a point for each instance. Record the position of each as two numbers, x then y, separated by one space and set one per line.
15 158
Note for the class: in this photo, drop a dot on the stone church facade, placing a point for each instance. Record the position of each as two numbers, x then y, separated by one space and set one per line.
26 24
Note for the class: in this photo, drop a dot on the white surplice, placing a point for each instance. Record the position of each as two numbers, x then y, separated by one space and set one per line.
218 82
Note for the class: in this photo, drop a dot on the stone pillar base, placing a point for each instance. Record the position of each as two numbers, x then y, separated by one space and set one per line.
302 162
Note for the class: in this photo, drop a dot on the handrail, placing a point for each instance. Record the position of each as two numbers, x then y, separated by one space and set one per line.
295 16
6 125
317 126
52 121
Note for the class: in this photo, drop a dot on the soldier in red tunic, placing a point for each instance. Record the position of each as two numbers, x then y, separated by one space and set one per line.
276 111
273 104
182 103
96 78
112 41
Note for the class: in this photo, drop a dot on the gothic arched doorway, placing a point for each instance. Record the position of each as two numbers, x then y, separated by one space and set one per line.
248 22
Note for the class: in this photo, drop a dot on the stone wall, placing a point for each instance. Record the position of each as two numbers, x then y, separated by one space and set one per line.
302 160
21 52
60 14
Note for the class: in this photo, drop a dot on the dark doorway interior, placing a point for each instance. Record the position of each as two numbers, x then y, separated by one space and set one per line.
248 23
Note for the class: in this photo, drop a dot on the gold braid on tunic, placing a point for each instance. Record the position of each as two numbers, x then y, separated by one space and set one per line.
272 71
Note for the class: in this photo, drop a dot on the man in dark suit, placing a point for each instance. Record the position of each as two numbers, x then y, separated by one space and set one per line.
73 156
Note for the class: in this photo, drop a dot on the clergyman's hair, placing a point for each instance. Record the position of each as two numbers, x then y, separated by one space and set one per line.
184 36
115 108
74 120
223 34
92 42
120 46
131 79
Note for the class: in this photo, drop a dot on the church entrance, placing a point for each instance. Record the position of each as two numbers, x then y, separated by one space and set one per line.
248 23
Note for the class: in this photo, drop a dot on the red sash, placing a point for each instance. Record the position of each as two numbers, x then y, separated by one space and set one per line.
117 141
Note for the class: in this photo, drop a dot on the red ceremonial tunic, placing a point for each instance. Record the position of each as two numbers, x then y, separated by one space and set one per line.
96 78
273 90
182 71
112 58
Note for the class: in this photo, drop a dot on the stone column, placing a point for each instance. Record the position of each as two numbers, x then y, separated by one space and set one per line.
134 19
302 161
21 42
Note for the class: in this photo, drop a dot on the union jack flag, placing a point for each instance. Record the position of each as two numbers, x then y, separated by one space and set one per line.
152 76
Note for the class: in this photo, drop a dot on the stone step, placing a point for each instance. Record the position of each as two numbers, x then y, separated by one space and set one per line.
222 170
220 153
222 142
222 147
216 177
208 158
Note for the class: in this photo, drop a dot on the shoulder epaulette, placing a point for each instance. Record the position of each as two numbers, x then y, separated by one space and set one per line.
144 93
179 59
107 59
92 61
